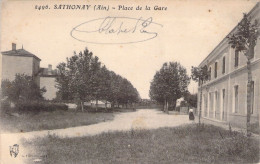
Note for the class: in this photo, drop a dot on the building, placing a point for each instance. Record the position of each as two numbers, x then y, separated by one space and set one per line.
47 80
179 101
20 61
224 95
182 105
99 104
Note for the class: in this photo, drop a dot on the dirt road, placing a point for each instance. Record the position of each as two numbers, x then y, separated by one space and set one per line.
141 119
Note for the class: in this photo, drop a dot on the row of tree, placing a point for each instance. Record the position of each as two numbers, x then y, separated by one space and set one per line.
83 78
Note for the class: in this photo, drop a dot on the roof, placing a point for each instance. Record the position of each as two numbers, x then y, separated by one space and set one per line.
45 73
225 39
20 52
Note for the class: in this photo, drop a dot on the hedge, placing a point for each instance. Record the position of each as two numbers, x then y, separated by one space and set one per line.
40 106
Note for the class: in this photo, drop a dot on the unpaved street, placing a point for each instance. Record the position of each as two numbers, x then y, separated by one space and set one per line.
141 119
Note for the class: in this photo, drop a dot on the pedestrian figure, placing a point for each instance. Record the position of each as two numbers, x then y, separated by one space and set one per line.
191 115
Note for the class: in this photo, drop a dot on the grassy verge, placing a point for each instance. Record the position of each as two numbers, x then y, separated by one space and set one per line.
255 128
56 119
188 144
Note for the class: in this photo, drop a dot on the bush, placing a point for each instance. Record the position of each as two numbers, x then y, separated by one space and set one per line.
98 110
39 106
255 128
5 106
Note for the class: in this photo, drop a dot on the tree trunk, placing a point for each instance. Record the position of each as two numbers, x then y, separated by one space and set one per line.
112 105
166 106
249 86
200 103
96 104
82 107
106 105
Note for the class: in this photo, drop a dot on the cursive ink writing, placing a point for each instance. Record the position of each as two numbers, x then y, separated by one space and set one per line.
116 30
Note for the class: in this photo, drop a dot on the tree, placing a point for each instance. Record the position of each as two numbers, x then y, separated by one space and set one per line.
105 84
169 84
22 88
82 78
200 75
62 83
244 40
191 99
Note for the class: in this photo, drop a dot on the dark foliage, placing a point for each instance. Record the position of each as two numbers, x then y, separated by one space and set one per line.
39 106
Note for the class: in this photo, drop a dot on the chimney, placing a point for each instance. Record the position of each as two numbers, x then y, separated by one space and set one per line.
49 69
13 46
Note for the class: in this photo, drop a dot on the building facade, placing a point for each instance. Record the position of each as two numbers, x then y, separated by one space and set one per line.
47 80
20 61
224 94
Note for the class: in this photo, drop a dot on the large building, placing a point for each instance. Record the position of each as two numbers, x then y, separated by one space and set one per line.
224 95
20 61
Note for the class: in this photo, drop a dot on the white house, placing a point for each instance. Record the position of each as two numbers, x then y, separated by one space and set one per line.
20 61
224 95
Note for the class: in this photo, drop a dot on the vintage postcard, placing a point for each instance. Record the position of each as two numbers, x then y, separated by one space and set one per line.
173 81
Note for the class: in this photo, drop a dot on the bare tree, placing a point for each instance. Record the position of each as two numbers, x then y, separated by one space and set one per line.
199 75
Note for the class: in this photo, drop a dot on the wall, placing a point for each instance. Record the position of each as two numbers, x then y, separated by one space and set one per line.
49 84
35 70
11 65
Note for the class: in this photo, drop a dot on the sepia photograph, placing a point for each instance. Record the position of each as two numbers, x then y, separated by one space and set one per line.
129 82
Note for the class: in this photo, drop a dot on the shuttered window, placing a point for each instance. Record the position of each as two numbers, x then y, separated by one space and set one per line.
252 96
236 58
236 98
216 70
223 65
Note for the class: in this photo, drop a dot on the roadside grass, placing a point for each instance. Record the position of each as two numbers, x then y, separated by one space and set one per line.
185 144
255 128
56 119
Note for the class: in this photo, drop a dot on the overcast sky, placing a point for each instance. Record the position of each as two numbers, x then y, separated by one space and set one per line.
191 30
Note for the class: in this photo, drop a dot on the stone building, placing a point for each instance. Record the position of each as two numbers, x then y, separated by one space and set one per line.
224 95
20 61
47 80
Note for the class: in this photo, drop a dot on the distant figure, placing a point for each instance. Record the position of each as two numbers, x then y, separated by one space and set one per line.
191 115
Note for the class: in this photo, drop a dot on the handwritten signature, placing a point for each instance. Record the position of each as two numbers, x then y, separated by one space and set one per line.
116 30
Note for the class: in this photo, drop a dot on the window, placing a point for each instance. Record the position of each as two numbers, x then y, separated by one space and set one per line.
223 104
216 70
223 65
216 104
236 58
209 73
236 99
252 96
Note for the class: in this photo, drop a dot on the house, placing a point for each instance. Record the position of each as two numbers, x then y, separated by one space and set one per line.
178 101
224 94
99 103
182 105
48 80
20 61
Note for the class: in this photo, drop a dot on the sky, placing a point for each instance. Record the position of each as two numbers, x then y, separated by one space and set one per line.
190 31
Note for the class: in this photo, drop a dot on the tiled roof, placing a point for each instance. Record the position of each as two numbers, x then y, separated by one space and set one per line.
20 52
